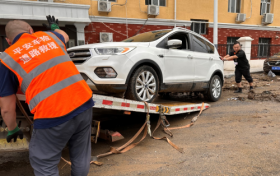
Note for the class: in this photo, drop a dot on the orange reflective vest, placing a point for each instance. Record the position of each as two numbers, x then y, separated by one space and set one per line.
50 81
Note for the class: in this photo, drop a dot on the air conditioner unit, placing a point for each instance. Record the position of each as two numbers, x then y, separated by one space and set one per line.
106 37
267 18
241 17
153 10
104 6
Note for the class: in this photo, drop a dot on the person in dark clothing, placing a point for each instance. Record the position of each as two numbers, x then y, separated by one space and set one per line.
242 66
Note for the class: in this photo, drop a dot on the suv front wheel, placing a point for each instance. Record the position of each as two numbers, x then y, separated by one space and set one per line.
143 85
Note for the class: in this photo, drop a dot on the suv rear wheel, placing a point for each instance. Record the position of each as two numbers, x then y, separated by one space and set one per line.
143 85
215 89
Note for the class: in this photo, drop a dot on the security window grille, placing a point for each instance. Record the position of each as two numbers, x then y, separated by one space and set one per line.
265 6
199 27
156 2
230 42
234 6
264 47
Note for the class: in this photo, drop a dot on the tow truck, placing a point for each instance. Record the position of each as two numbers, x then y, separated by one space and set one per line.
102 102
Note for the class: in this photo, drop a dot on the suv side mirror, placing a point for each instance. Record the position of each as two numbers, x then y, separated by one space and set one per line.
174 43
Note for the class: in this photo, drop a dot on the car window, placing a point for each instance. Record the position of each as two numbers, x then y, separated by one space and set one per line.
179 36
147 36
199 45
210 47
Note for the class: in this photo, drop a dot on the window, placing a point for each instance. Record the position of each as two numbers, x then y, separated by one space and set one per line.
234 6
183 37
200 27
199 45
210 47
148 36
265 6
3 43
156 2
230 42
264 47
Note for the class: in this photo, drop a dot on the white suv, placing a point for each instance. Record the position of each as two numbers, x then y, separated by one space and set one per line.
142 66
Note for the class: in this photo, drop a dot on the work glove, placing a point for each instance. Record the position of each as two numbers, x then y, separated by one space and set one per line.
53 23
14 134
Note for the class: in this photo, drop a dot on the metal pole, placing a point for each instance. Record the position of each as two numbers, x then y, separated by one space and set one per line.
175 13
215 33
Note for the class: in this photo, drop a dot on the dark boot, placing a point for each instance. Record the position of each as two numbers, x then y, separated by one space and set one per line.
238 91
251 88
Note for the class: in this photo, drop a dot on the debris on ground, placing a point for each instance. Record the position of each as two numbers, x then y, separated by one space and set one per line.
271 74
266 88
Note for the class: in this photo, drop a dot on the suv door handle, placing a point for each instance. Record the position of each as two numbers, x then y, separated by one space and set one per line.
161 55
190 57
210 58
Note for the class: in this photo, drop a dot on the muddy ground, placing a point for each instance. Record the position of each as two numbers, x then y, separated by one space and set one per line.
236 136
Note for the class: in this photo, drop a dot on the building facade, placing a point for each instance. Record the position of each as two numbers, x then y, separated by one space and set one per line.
126 18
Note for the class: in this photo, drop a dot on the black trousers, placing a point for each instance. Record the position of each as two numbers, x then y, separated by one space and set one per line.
245 73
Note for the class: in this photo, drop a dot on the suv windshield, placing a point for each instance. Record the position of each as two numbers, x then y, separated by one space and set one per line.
148 36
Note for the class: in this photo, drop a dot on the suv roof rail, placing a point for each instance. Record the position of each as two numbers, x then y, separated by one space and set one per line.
180 28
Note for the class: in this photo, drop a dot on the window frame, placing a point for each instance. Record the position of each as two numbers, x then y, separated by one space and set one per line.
148 2
201 40
235 6
266 4
163 43
200 26
264 47
211 50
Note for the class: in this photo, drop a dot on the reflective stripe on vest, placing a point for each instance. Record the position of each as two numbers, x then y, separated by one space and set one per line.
27 78
48 77
53 89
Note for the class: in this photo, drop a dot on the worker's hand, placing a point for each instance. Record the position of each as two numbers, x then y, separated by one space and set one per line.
53 23
14 134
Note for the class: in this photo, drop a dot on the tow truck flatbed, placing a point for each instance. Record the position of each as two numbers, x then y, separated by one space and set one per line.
165 107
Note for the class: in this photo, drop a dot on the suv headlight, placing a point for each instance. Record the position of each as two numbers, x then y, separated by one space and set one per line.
113 51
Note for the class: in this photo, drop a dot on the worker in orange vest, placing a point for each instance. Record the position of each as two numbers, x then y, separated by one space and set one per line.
56 94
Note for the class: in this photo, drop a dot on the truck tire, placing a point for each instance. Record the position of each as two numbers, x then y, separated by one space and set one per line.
143 85
215 89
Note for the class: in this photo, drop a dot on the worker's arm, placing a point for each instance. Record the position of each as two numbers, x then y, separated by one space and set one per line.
8 88
66 37
227 56
8 111
53 25
231 58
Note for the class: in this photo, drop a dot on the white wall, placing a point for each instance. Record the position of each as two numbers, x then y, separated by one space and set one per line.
255 64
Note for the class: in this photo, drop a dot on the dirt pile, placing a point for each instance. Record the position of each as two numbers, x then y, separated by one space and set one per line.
265 88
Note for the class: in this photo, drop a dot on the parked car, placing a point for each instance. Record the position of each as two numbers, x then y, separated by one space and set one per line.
272 63
144 65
